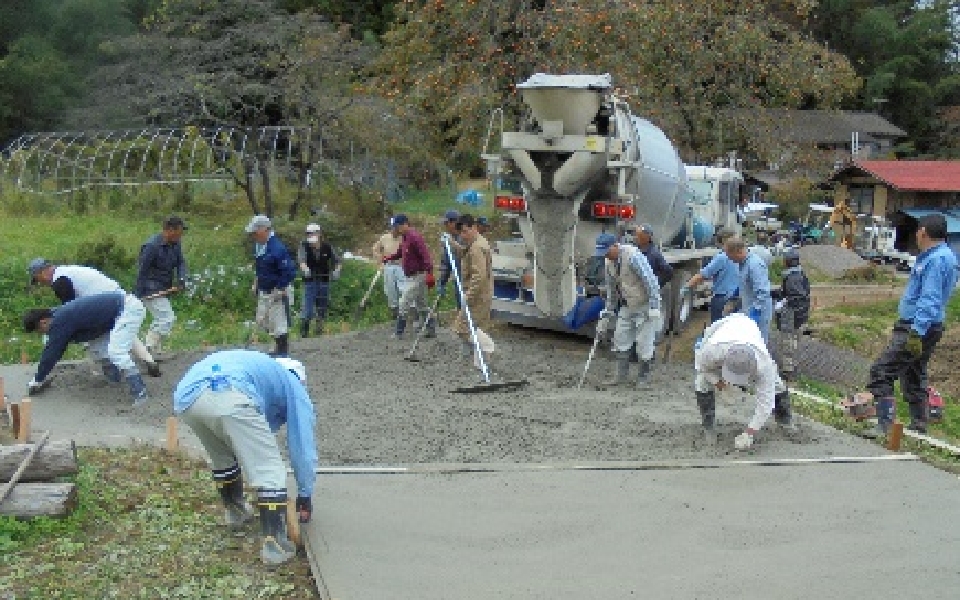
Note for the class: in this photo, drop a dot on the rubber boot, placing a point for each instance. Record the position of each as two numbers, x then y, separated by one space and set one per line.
431 325
319 326
138 390
230 485
394 313
886 413
918 416
401 325
783 413
110 371
140 352
623 369
643 373
282 348
707 403
152 342
276 548
304 328
466 349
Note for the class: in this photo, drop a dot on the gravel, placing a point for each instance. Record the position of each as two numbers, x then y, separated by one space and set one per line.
832 261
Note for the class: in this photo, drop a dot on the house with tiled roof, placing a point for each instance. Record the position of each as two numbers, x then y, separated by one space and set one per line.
883 187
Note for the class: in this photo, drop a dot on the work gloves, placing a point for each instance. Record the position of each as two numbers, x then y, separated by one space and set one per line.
430 281
34 387
278 294
754 313
653 313
914 344
743 441
304 508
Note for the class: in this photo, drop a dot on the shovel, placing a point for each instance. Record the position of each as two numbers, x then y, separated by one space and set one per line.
423 327
366 298
593 350
160 294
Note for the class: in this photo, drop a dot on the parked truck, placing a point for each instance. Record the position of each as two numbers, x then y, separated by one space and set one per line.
586 164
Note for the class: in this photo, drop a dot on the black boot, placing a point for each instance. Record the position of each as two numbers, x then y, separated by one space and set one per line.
304 328
401 325
644 372
707 403
282 346
918 416
886 413
230 485
276 547
430 325
319 327
783 412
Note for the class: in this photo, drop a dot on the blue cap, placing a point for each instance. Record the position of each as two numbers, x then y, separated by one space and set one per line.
399 220
604 241
451 215
482 221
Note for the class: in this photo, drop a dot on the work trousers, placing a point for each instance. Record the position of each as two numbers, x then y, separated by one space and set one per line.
635 326
232 432
896 362
392 275
413 295
162 312
718 303
115 346
316 299
273 313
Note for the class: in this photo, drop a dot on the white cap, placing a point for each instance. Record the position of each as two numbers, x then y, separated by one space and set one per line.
739 365
294 366
258 222
313 228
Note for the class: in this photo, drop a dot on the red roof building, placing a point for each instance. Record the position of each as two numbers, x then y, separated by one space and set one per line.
882 187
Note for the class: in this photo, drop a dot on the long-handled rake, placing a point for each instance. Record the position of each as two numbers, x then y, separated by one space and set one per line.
486 385
366 298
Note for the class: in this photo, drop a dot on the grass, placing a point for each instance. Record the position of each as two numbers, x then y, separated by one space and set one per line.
148 526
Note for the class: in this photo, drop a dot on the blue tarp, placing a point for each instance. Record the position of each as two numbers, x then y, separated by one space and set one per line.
471 197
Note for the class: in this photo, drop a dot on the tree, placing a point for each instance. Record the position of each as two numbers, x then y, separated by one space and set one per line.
236 63
450 63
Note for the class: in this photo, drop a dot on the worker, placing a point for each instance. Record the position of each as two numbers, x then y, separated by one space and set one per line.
451 233
724 275
161 272
633 295
754 283
732 352
70 282
388 244
109 321
319 265
417 277
643 236
918 329
275 271
792 310
234 401
476 275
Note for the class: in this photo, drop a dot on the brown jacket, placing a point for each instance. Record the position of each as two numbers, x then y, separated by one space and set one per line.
476 264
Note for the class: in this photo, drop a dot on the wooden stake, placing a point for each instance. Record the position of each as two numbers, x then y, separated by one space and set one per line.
21 413
173 442
23 356
293 522
895 437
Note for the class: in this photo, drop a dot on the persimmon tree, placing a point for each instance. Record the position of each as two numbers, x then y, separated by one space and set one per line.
448 63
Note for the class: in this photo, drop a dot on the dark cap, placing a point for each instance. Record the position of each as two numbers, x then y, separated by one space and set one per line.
36 265
451 215
174 222
647 228
400 219
32 318
466 220
483 221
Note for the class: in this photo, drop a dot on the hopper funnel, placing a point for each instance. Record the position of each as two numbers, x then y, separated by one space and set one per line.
572 99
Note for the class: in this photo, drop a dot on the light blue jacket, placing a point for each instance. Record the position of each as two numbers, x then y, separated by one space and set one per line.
278 395
928 290
755 291
724 274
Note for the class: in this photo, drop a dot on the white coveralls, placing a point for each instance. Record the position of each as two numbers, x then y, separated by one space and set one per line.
633 287
738 329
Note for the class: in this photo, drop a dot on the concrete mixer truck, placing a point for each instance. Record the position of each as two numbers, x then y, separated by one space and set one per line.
579 164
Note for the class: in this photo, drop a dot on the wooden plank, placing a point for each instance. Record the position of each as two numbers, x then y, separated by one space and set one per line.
29 500
15 478
55 459
22 416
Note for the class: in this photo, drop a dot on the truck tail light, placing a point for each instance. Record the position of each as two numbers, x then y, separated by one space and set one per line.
609 210
510 203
